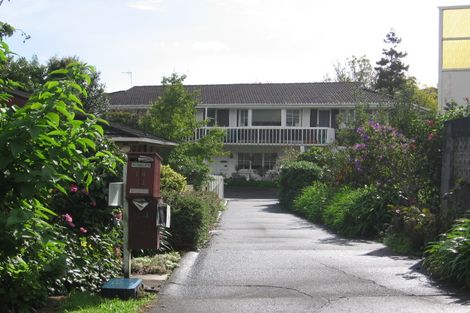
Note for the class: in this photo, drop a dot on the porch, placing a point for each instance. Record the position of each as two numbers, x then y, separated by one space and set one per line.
280 136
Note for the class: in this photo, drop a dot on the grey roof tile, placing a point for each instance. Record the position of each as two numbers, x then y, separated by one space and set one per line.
289 93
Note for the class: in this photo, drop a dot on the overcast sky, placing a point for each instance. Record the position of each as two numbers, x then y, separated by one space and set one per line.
224 41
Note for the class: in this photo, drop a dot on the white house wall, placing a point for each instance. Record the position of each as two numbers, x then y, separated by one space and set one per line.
226 165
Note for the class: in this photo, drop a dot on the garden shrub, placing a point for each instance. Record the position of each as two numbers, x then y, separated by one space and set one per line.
410 229
192 215
449 258
170 180
157 264
294 176
313 200
45 149
360 212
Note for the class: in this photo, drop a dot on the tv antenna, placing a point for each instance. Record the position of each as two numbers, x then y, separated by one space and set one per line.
130 76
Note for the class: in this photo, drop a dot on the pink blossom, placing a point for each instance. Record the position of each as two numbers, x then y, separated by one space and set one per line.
73 188
68 219
83 230
430 136
93 203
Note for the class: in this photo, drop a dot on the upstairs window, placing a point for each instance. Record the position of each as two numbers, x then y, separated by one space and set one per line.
293 118
242 118
266 118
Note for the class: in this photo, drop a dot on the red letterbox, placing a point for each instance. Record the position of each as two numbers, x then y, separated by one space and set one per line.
143 194
143 175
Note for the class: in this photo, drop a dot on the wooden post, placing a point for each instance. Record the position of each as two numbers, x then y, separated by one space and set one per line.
126 261
447 171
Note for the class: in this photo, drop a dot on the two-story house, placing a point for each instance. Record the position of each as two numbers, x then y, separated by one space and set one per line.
263 120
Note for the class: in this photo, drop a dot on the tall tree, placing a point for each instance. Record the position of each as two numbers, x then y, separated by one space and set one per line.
355 69
173 116
391 71
32 75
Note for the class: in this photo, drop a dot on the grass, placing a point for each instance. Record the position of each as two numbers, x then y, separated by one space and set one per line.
79 302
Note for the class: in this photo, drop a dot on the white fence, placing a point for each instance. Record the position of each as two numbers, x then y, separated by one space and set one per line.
304 136
216 184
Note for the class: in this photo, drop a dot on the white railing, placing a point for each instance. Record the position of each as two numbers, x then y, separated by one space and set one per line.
216 184
302 136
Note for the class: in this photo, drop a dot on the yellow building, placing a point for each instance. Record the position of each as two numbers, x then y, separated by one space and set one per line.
454 55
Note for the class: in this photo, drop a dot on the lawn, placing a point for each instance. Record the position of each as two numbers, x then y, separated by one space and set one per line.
88 303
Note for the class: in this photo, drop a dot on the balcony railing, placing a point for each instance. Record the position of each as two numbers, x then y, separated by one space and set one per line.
308 136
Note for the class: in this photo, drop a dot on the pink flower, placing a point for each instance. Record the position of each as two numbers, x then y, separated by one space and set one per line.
93 203
430 136
68 219
73 188
83 230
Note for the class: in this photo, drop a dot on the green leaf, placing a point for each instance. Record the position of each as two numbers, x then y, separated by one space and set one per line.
99 129
65 112
51 84
88 142
17 147
54 118
59 71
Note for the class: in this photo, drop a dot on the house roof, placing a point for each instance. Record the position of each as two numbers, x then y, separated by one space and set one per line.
326 93
124 134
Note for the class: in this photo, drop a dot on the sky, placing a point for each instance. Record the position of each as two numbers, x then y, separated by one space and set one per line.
224 41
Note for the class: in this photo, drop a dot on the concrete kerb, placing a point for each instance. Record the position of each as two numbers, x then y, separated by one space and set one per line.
181 273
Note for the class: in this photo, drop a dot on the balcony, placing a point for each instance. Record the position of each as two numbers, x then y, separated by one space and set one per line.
274 136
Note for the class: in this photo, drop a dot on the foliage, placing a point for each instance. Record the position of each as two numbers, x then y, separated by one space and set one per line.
83 302
294 176
158 264
193 214
391 71
383 157
313 200
449 258
360 212
173 117
191 158
170 180
130 119
47 146
32 75
410 229
355 69
89 259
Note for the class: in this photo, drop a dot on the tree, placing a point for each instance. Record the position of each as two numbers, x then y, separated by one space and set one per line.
173 117
31 75
355 69
391 71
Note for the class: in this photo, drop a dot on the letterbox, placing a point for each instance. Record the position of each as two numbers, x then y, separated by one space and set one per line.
143 193
143 175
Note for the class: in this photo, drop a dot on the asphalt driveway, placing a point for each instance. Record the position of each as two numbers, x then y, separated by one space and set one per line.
261 259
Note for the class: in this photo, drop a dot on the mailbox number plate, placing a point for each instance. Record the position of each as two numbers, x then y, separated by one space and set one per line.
141 165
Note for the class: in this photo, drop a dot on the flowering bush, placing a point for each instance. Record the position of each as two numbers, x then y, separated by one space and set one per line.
383 157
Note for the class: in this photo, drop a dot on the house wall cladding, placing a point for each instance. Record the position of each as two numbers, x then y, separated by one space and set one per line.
455 184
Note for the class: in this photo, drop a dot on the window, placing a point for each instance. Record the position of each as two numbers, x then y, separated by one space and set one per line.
323 118
242 118
244 161
219 117
269 160
266 118
293 118
319 118
200 115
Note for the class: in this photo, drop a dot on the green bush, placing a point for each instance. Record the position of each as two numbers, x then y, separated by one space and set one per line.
193 214
410 229
172 180
294 176
313 200
358 212
449 258
320 156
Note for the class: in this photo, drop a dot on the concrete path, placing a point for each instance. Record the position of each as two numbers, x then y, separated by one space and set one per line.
264 260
